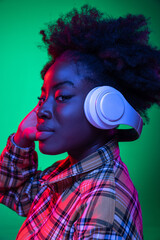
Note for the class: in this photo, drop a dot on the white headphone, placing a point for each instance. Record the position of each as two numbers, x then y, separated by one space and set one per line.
106 108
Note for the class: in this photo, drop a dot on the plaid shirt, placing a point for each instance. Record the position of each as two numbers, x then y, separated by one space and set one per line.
93 199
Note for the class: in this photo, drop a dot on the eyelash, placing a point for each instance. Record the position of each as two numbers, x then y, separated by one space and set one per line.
64 97
40 100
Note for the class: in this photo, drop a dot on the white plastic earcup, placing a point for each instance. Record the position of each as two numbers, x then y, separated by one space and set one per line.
106 108
109 106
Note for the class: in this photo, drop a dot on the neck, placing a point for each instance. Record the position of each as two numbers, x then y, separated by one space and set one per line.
79 154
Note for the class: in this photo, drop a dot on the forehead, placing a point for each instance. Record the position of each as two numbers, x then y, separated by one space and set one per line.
66 71
61 71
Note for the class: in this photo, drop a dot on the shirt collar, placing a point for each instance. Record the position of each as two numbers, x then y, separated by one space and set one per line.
104 155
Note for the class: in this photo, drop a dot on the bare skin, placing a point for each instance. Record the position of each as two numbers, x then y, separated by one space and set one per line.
26 133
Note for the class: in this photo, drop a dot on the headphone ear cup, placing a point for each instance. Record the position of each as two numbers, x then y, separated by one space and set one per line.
90 110
110 107
103 107
106 108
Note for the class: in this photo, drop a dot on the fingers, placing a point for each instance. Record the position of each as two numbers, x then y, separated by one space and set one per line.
30 133
35 109
30 120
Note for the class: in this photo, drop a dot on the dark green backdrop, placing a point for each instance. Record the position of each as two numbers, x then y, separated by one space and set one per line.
20 64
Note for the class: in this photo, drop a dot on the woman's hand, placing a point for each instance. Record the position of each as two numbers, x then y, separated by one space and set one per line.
26 133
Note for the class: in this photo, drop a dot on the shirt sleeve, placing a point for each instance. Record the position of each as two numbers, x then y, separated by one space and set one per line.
96 212
19 178
96 216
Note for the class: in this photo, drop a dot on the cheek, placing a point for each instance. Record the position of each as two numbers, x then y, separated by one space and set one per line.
73 126
70 113
76 126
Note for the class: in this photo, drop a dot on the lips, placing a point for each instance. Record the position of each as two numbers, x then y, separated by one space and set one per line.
43 132
43 135
42 128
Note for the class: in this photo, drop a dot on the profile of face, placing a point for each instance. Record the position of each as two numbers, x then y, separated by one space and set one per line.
61 112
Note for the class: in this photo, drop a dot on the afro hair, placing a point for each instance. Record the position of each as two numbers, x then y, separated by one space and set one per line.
117 51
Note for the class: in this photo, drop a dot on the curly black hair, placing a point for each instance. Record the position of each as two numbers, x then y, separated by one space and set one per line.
117 51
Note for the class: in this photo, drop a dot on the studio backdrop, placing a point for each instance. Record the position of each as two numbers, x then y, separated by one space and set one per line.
21 61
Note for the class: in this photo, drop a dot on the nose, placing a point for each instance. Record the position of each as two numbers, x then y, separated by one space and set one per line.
44 111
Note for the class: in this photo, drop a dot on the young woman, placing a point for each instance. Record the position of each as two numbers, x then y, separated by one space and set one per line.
89 195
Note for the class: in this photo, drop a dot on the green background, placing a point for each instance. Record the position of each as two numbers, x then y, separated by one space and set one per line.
20 64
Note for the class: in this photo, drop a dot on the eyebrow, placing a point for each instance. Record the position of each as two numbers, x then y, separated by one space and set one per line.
60 84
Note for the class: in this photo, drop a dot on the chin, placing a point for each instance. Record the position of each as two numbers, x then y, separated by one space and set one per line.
48 150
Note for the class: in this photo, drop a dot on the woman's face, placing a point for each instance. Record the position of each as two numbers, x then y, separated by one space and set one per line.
62 125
